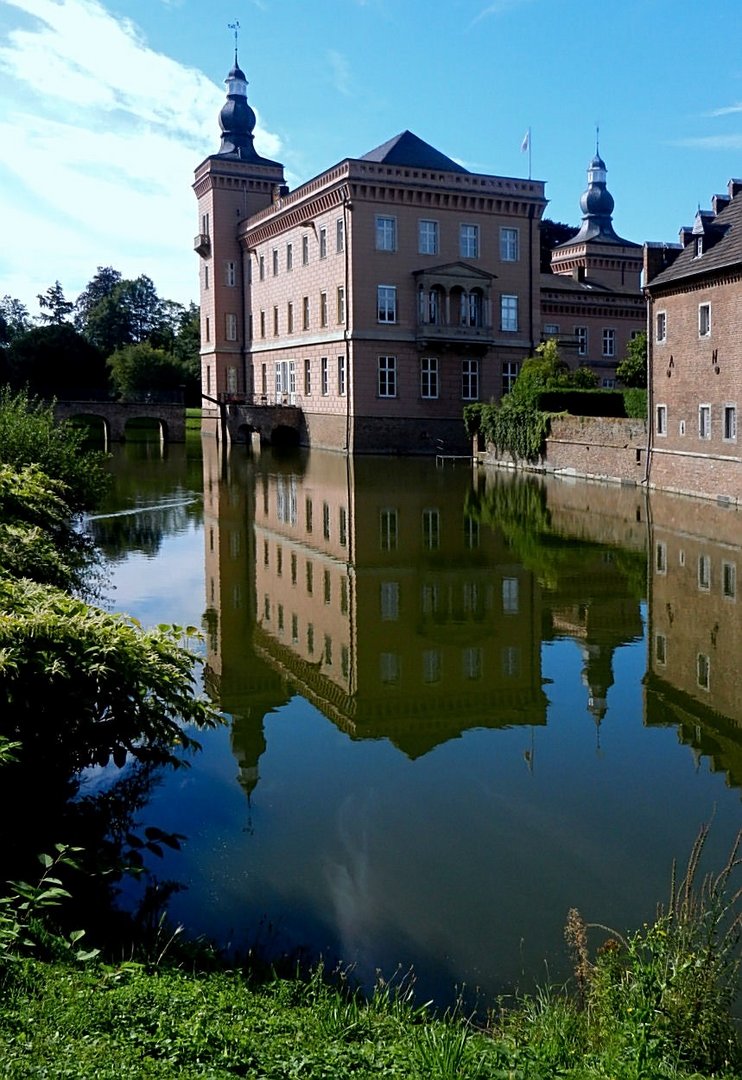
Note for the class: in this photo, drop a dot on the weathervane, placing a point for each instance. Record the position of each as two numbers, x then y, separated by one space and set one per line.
236 27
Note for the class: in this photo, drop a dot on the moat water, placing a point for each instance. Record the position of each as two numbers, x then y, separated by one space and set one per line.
456 705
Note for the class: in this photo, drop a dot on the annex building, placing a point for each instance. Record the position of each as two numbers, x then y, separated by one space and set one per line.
381 297
694 290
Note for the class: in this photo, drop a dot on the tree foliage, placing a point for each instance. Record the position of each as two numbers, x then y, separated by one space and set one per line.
55 308
137 369
14 320
632 371
55 361
552 233
29 434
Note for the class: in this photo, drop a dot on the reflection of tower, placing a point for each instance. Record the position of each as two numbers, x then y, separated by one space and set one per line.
243 686
231 185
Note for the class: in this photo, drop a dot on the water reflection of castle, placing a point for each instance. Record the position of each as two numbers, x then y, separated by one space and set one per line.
383 599
694 681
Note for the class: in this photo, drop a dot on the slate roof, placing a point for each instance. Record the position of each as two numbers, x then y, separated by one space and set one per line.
724 251
566 283
407 149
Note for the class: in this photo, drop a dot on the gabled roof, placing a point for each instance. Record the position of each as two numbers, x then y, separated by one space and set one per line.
408 149
725 252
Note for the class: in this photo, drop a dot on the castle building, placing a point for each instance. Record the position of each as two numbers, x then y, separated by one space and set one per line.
592 302
695 353
379 298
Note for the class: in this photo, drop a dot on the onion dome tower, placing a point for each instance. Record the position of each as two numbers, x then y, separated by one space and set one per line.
237 119
596 203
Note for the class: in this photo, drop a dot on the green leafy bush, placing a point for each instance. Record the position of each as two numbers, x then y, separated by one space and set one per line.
635 403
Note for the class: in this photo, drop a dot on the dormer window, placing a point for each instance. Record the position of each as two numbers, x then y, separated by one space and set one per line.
699 246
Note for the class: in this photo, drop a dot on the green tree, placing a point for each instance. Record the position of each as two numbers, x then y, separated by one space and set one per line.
55 308
14 320
632 371
141 369
117 312
100 286
552 233
55 361
544 371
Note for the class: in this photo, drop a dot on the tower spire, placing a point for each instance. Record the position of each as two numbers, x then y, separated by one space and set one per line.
236 27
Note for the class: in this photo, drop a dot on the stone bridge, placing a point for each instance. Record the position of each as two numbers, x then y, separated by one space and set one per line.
113 416
271 423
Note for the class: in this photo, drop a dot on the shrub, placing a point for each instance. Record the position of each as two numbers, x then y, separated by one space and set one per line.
635 403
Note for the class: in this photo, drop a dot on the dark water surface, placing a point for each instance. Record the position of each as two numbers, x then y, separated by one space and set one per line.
457 706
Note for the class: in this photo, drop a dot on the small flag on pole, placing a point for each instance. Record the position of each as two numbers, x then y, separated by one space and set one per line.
525 145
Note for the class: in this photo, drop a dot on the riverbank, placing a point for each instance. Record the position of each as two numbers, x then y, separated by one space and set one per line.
126 1020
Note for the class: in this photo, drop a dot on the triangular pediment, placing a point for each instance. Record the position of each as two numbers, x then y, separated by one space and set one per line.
463 271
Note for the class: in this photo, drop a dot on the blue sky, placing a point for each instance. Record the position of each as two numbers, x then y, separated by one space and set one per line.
108 106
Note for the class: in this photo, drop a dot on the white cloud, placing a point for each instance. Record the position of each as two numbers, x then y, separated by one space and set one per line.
99 154
712 142
341 71
498 7
727 110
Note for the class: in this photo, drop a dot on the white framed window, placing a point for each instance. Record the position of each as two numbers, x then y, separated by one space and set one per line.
703 671
431 528
305 313
427 237
262 324
341 375
387 375
230 328
230 274
508 245
609 342
305 250
470 380
660 329
341 305
729 580
730 423
389 600
386 233
292 376
261 267
339 235
386 303
429 377
307 378
323 242
324 376
551 329
275 262
323 309
704 421
509 313
388 529
469 241
289 318
661 420
275 322
289 256
704 320
704 572
660 557
608 383
510 372
581 335
699 247
206 275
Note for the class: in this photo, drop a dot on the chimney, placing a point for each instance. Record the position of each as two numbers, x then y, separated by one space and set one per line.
719 203
657 257
733 188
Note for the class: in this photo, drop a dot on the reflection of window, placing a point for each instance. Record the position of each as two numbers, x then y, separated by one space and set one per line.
279 560
510 600
267 607
389 667
293 567
327 587
471 533
429 599
510 660
310 577
389 600
471 596
280 616
431 529
471 663
388 524
328 649
704 572
325 521
344 661
310 639
729 580
343 526
343 595
660 557
308 514
660 649
431 665
294 629
703 670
